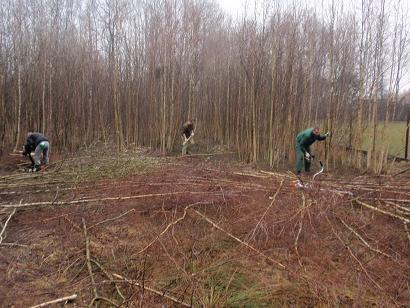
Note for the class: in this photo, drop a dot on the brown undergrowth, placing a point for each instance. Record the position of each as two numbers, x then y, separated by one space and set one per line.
135 229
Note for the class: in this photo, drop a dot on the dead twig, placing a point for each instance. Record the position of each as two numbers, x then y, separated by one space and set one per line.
402 208
302 215
104 299
251 175
388 199
177 266
223 194
407 231
56 195
364 241
199 155
72 222
280 265
88 260
110 219
56 301
162 294
14 244
170 225
266 211
109 276
382 211
281 175
353 255
401 172
70 265
5 225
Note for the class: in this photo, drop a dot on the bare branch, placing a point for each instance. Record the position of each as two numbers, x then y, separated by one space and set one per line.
5 225
56 301
239 240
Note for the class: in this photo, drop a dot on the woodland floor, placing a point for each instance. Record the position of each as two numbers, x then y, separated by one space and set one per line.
137 229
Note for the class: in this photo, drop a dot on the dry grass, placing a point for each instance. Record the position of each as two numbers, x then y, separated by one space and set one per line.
219 242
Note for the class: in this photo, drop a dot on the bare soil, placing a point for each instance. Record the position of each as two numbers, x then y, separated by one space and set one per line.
202 230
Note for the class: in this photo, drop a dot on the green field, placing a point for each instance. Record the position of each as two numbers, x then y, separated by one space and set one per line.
393 139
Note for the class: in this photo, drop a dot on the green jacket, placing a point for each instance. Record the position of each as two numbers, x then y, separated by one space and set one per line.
305 139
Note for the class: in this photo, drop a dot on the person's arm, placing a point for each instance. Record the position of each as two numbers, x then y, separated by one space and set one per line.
28 146
322 137
189 138
32 160
27 152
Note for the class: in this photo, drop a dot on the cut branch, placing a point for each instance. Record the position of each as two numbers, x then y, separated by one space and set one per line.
105 199
56 301
109 276
382 211
401 172
5 225
88 260
407 231
302 215
401 208
363 240
281 175
110 219
353 255
239 240
162 294
170 225
267 209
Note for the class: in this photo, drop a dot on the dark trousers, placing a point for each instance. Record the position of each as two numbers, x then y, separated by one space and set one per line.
301 160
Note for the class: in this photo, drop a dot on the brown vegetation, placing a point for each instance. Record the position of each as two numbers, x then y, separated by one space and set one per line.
202 230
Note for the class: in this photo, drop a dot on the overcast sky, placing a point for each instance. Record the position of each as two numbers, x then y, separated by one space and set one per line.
235 9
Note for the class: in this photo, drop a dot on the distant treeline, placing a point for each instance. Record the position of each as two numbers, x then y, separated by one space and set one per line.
131 72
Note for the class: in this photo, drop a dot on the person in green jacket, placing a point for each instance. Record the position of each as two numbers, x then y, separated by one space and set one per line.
303 142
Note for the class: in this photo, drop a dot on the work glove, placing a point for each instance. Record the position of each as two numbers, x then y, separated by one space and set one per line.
308 156
327 134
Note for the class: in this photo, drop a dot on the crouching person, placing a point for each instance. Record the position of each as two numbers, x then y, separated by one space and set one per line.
40 145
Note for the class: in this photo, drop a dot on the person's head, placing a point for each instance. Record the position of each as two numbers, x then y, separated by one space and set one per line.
316 131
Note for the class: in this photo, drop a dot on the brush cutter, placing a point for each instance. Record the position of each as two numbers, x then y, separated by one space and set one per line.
301 184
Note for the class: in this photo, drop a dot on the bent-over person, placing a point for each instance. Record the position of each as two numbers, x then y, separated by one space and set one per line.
303 142
41 146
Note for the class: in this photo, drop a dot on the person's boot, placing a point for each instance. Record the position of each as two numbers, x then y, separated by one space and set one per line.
35 168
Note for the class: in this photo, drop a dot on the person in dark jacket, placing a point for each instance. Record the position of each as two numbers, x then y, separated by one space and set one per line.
303 142
187 135
41 146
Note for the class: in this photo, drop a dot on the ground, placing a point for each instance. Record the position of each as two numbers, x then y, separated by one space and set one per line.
138 229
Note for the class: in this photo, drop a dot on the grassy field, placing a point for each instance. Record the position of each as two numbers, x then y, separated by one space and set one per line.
394 138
